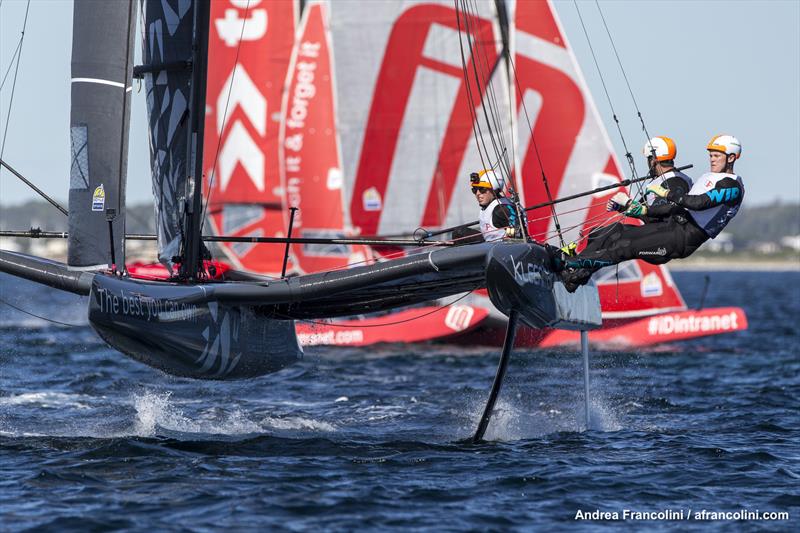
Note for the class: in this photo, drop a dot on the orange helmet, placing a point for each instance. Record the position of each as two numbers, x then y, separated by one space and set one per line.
727 144
664 148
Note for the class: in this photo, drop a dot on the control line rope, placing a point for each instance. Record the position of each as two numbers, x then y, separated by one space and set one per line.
39 316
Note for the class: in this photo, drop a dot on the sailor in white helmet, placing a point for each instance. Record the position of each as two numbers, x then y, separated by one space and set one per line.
708 206
498 216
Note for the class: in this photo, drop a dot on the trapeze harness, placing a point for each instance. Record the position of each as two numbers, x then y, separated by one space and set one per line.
660 208
493 221
691 219
672 180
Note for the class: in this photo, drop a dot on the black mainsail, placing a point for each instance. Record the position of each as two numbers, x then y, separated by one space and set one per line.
167 31
102 63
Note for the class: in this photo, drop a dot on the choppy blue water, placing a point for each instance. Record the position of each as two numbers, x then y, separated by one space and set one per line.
372 439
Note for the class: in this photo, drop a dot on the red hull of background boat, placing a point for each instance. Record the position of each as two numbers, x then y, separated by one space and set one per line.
481 329
474 324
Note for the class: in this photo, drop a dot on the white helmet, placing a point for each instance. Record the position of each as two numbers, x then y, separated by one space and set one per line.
664 147
727 144
488 179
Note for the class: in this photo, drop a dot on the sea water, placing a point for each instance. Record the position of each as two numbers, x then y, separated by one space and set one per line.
375 438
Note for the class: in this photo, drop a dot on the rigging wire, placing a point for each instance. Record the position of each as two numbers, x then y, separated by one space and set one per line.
630 90
600 219
538 155
14 83
482 67
41 317
624 75
628 155
224 120
476 126
493 107
11 63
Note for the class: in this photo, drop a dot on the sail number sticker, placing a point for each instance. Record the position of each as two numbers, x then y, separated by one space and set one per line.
99 199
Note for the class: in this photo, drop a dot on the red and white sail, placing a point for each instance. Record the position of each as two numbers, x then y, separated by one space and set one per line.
311 169
404 111
408 134
360 116
250 48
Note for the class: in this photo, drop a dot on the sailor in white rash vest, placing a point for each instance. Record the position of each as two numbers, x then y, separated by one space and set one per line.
675 229
498 217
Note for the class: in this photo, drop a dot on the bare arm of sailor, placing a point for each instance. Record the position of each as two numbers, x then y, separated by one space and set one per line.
727 191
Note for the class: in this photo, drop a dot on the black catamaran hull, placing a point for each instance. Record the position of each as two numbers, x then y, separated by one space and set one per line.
203 340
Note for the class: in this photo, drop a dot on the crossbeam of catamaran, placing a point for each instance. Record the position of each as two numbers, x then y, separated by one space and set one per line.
376 241
623 183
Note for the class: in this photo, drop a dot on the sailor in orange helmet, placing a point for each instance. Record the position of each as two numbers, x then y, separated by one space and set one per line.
675 228
660 153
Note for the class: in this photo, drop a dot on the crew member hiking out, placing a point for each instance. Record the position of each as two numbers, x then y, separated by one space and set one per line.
498 216
677 220
660 153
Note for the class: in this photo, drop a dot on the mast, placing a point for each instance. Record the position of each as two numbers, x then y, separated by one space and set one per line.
191 266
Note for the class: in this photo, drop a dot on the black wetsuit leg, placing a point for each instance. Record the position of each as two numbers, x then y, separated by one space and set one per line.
655 243
604 237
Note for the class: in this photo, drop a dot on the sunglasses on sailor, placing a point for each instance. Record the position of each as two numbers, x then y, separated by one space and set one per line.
481 190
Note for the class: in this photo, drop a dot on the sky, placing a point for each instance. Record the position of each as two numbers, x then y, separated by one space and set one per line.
696 68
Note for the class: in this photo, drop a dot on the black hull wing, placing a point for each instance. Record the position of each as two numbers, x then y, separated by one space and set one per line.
202 340
519 278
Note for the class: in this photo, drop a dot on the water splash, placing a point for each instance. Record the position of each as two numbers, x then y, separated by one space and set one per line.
512 421
298 423
155 411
